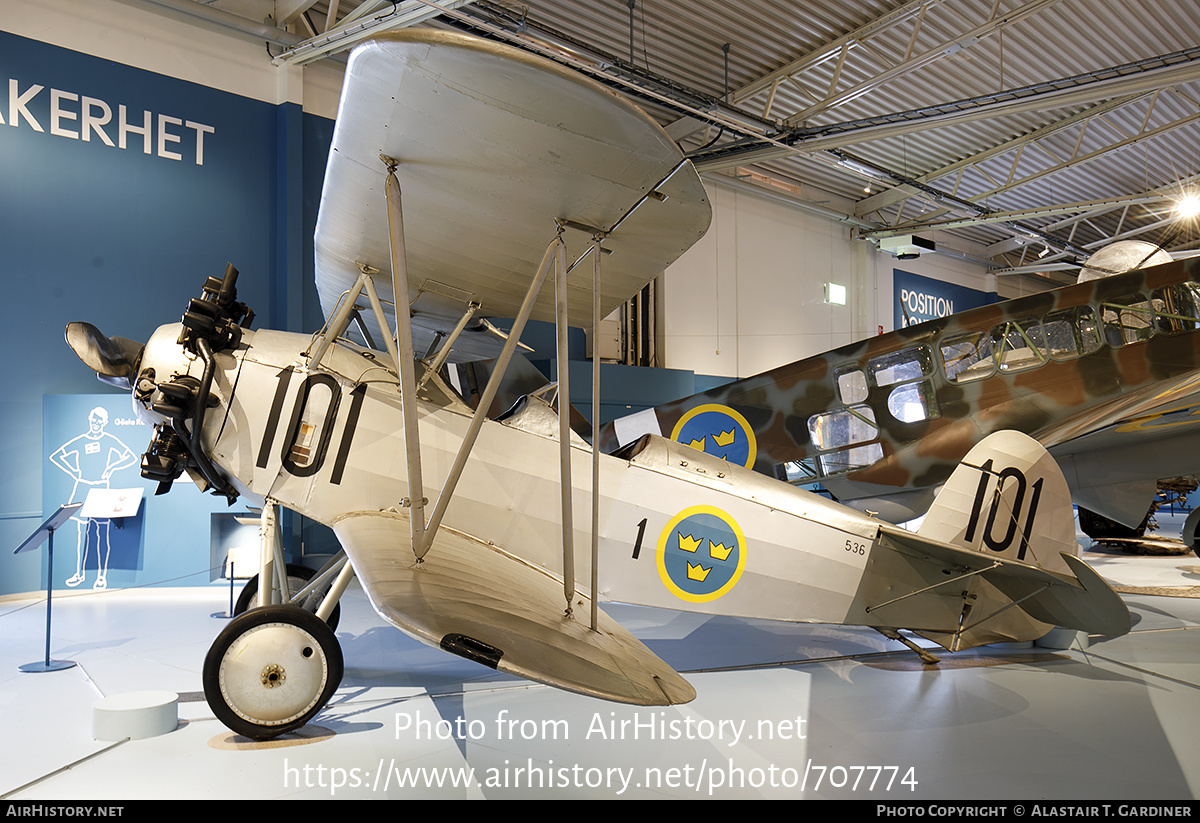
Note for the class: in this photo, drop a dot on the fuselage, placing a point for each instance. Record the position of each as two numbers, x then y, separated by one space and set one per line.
678 528
884 421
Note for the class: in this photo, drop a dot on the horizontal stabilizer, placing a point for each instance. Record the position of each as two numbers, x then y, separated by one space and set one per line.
1096 608
1083 601
473 599
1008 504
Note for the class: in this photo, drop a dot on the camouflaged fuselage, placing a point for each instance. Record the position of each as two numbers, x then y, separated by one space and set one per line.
854 418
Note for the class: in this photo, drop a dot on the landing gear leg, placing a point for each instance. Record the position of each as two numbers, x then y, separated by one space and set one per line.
271 670
297 577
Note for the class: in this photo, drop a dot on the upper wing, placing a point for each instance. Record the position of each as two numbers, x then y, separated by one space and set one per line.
494 145
473 599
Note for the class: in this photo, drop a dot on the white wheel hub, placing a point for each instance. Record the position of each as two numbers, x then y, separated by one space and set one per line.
273 674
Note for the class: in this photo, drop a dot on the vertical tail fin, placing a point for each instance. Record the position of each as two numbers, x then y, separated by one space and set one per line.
1007 499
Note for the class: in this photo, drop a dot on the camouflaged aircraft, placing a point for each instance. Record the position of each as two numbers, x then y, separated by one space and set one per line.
1103 373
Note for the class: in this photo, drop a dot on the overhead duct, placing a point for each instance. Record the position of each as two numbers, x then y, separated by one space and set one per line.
906 246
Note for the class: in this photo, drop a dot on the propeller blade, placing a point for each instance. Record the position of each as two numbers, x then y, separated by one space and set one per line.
114 359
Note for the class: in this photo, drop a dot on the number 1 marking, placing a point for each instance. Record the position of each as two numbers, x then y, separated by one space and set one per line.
1002 543
637 547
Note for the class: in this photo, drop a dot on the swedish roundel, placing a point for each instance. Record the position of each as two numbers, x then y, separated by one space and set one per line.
701 554
720 431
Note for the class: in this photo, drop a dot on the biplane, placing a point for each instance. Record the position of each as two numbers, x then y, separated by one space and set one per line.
1104 373
468 533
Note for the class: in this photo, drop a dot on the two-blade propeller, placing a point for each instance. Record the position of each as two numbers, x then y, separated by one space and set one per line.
114 359
213 323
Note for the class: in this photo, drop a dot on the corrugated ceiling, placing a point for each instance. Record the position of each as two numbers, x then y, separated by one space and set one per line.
846 103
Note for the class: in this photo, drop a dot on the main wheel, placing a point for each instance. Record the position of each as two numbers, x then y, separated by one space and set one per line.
270 670
297 577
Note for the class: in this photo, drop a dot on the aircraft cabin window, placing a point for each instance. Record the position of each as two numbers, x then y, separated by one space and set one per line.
900 366
841 433
1019 344
852 385
1177 308
968 357
1129 320
913 402
858 457
796 472
1071 332
1089 329
843 427
910 401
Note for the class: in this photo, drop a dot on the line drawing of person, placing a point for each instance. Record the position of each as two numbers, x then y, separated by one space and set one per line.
90 459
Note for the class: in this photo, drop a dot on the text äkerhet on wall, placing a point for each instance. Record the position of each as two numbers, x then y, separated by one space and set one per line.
79 117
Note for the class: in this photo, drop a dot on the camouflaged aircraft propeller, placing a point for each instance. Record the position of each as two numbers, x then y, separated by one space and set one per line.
512 168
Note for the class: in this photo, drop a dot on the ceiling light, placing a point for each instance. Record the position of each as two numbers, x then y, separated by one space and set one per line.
1188 206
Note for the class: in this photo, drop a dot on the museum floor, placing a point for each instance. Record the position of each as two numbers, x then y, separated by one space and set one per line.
783 710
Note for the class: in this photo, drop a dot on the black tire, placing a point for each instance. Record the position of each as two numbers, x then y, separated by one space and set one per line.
297 577
1100 528
271 670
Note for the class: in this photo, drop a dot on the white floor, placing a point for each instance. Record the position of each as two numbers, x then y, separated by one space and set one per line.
782 711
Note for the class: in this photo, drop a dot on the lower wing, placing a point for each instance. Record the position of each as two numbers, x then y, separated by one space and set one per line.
473 599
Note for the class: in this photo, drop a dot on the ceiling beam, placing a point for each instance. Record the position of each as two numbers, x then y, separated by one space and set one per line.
1080 160
288 10
686 126
892 196
828 51
352 30
927 58
220 19
1129 78
1090 208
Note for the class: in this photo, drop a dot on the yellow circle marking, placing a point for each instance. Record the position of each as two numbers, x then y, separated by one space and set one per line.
735 417
668 534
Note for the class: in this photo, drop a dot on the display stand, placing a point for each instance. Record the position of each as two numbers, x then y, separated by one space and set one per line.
237 558
45 532
227 615
111 504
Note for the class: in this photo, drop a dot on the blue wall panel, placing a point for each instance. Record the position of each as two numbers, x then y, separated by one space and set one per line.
166 544
919 298
123 238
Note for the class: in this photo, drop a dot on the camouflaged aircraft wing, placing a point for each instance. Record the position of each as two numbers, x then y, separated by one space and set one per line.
494 145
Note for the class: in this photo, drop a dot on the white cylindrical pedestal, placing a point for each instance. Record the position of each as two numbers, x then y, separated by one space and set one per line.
1060 638
135 715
